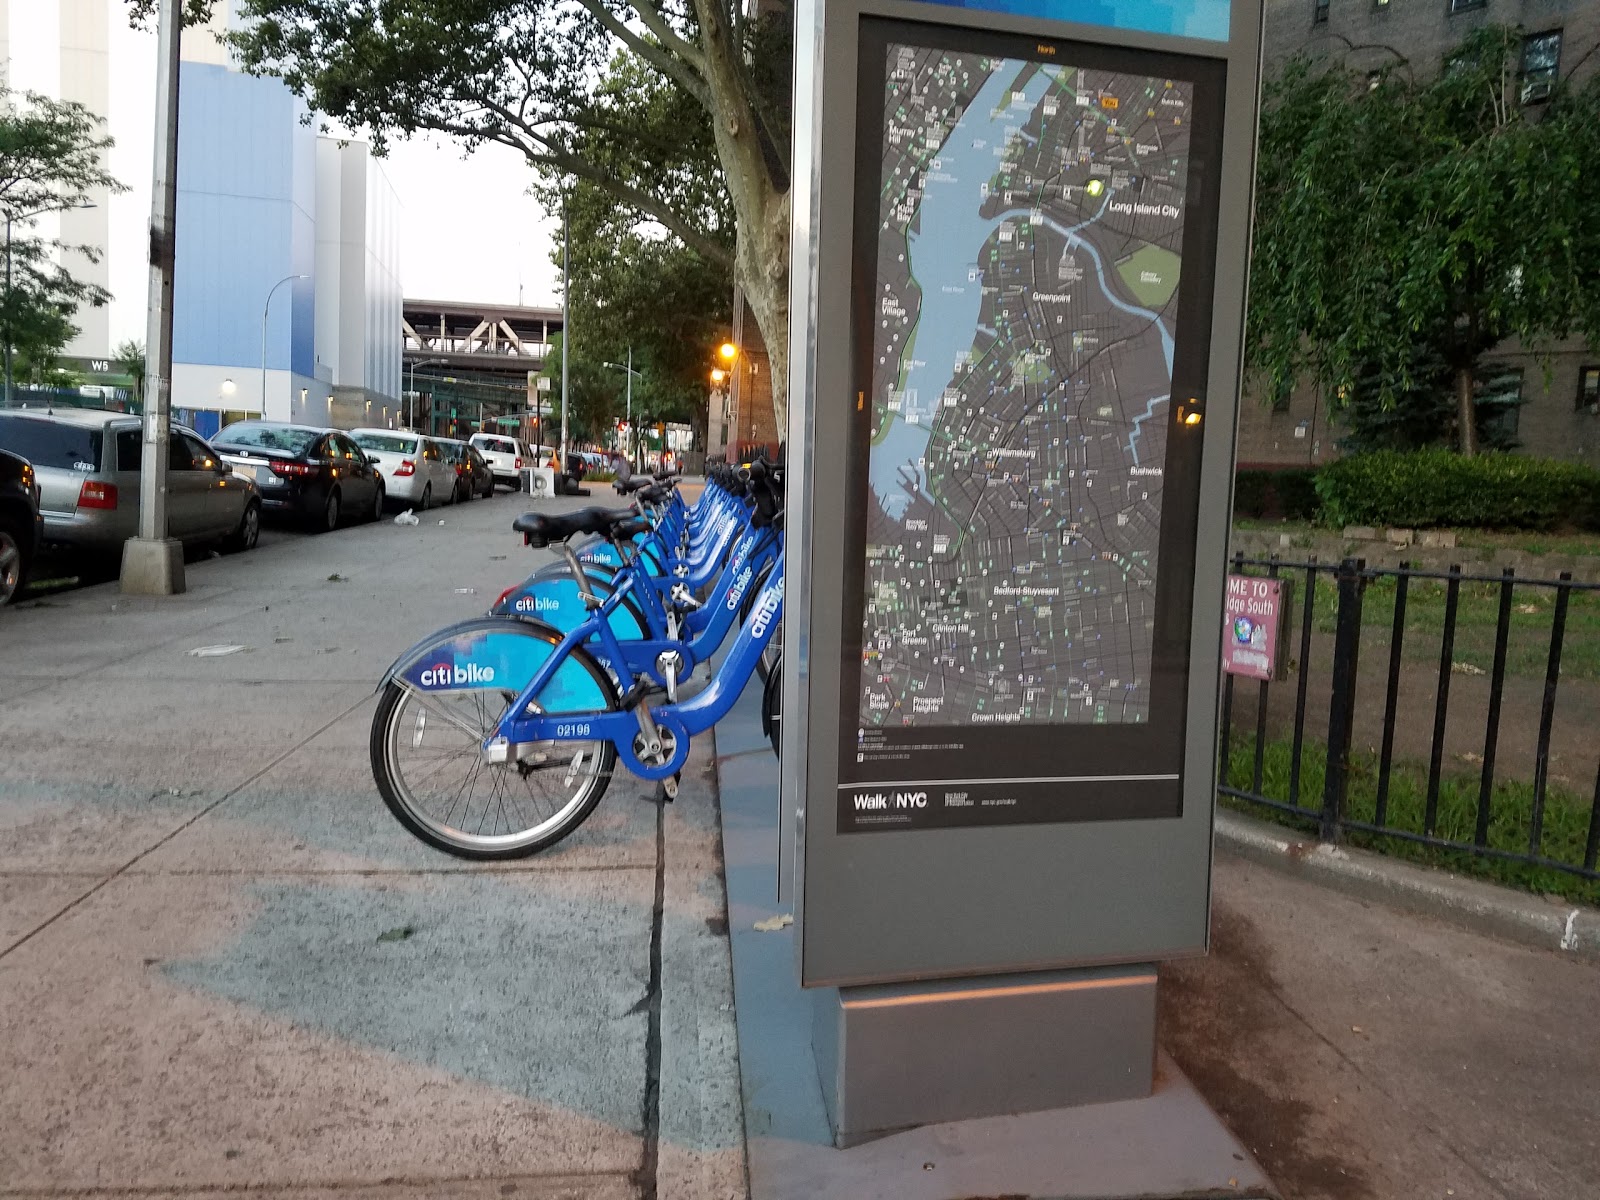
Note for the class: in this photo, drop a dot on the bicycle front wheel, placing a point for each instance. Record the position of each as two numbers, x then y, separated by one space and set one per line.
431 773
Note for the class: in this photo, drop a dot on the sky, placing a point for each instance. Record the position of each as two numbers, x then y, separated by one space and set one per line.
468 229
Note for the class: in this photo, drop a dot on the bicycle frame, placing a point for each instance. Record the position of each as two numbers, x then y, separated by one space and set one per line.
682 720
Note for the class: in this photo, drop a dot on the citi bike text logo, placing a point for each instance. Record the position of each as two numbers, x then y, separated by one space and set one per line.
538 604
770 600
739 585
445 674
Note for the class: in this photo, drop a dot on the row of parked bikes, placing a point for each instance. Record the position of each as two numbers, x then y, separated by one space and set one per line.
497 737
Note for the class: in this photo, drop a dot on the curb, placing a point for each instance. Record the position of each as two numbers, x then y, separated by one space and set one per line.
1560 926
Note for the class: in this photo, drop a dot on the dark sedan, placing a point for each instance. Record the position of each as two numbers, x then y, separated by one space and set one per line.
319 476
474 477
19 523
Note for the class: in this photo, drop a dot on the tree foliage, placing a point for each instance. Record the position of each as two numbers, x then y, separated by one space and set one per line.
1403 229
52 155
129 359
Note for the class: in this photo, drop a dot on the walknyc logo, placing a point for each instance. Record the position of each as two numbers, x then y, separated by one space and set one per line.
887 801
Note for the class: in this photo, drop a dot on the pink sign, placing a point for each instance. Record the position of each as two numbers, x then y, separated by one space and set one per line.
1254 615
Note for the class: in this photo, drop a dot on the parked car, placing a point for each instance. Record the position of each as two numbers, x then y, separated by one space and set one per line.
473 474
20 523
88 464
316 475
415 471
506 457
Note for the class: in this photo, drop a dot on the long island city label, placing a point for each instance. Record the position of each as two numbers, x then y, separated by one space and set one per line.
1034 246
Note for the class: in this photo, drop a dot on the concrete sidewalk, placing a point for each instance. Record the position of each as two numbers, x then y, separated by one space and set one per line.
224 965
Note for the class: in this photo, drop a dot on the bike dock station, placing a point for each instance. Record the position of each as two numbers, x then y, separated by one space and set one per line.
1020 249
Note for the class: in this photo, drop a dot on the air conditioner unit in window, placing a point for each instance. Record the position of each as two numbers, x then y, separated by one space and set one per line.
1536 90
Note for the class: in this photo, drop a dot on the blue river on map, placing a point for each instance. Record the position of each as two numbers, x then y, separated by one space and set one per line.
948 241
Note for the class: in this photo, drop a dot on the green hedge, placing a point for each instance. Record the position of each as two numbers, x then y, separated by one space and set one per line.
1438 487
1287 494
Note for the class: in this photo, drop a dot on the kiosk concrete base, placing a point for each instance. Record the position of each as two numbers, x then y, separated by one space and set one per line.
898 1055
1167 1144
152 568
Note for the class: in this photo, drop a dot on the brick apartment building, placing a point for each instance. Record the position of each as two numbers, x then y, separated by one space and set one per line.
1558 419
739 417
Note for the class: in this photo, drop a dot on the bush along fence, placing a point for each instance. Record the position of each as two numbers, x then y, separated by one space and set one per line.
1441 716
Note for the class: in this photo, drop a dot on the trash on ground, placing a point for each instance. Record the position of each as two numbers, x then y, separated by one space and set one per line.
337 578
408 518
497 558
441 522
466 591
773 924
1466 668
215 651
398 934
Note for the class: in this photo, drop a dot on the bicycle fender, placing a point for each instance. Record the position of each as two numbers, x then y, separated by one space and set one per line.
498 654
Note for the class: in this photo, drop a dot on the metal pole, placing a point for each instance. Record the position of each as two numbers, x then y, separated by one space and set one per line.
265 309
8 310
151 564
630 400
566 320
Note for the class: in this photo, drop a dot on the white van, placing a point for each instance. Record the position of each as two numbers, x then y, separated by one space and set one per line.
506 457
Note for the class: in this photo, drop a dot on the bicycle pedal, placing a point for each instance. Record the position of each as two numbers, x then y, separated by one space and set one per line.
667 790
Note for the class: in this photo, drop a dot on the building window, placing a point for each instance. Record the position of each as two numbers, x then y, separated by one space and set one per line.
1461 6
1499 403
1541 58
1319 12
1589 390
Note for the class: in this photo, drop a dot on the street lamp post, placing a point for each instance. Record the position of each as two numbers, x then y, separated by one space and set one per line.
631 373
265 309
427 362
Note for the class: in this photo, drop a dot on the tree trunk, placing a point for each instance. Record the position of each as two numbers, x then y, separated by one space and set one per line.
760 209
763 273
1466 413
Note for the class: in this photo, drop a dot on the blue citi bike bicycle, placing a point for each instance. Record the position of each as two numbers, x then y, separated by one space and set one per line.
496 737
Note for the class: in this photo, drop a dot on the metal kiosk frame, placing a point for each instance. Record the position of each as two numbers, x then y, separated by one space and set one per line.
981 900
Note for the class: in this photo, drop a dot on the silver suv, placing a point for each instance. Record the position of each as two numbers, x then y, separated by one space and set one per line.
88 464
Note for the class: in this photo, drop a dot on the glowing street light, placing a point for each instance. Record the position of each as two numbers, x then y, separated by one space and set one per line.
718 375
728 351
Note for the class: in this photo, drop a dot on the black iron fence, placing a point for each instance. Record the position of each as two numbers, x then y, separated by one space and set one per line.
1451 711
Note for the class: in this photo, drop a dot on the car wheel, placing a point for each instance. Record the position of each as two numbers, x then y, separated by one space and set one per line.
427 497
330 514
377 503
249 532
13 563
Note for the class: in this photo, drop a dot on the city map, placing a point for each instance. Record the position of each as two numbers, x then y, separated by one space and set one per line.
1030 238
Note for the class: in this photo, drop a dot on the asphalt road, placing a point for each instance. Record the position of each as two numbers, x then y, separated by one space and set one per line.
224 966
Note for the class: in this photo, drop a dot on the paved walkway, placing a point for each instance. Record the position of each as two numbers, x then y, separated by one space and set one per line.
1366 1054
224 965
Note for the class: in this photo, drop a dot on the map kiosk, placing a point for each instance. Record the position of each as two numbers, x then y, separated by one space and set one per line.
1021 235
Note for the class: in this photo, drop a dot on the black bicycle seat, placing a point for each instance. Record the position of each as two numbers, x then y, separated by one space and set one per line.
541 529
632 484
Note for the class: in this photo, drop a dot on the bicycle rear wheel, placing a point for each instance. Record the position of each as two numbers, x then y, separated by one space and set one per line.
427 761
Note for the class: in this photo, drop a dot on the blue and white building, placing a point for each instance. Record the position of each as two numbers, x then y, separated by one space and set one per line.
266 208
287 292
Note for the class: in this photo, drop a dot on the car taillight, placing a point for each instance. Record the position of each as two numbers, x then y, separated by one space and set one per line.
519 464
407 467
97 495
292 468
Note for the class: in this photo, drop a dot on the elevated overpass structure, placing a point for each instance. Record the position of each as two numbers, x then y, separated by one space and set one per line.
474 366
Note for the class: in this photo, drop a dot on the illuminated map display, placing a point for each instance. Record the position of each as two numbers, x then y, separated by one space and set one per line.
1029 251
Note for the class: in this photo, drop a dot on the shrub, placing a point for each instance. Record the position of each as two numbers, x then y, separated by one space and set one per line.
1437 487
1288 494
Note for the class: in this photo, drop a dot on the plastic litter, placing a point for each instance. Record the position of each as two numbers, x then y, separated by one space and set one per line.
215 651
408 518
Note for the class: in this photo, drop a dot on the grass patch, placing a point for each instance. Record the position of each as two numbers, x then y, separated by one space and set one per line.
1566 815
